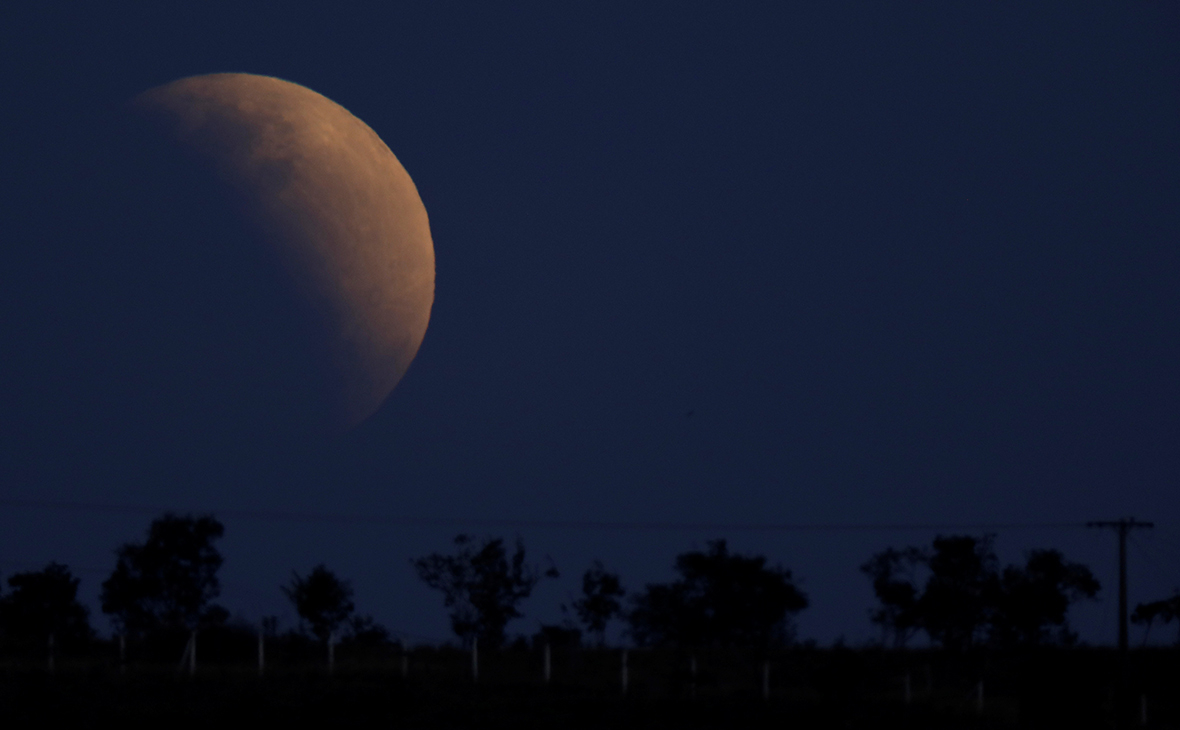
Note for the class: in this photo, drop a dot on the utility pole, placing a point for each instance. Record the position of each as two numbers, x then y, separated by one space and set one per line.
1123 526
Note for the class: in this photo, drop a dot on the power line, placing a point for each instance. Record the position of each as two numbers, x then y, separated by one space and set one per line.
604 525
1169 548
1154 560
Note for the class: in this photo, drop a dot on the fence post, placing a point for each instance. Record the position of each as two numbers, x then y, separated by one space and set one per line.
1143 709
979 698
765 680
475 659
548 663
624 672
188 646
189 656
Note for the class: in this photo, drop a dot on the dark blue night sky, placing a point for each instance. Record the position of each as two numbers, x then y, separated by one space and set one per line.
822 264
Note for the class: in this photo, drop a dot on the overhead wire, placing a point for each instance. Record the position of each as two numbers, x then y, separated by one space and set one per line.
1152 560
1162 540
483 522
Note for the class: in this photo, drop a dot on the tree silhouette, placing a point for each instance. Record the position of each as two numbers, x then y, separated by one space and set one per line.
482 586
599 603
321 599
1034 600
721 599
956 605
893 573
43 603
170 580
1166 610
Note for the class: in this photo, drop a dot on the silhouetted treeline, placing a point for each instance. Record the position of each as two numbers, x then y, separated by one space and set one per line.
954 591
720 634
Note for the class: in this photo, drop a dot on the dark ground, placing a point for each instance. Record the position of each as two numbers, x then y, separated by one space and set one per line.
809 688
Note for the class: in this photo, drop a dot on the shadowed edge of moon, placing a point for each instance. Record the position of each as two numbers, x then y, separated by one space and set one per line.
337 210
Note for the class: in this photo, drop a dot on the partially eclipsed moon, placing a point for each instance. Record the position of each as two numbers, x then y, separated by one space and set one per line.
338 212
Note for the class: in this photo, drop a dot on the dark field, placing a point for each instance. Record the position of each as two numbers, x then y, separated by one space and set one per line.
808 687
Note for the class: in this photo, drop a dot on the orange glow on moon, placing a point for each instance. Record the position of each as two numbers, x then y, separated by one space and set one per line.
337 209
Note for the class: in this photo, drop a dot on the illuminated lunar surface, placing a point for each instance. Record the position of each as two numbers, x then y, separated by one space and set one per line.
335 213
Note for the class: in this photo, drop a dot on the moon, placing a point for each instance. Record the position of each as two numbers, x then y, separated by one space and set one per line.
335 224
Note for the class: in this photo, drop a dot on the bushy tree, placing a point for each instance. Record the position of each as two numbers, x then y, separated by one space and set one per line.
600 601
960 592
482 586
895 583
170 580
42 603
322 600
720 599
1032 602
